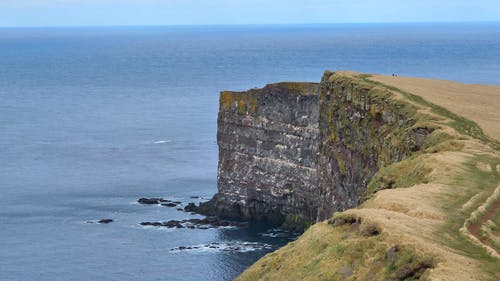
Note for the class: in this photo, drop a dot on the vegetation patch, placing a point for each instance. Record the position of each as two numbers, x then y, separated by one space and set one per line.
296 223
326 253
406 173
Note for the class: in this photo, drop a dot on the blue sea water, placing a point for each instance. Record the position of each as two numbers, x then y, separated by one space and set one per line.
93 118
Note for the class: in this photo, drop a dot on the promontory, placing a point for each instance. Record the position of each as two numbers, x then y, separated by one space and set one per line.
394 178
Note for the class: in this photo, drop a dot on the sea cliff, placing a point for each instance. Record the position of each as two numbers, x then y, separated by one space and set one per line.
295 153
268 146
406 189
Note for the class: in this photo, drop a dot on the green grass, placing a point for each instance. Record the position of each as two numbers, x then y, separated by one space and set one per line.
475 180
406 173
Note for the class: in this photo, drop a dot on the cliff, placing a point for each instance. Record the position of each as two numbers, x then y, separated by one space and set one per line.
294 153
362 129
409 189
268 145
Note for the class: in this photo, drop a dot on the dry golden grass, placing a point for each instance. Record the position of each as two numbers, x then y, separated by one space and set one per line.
425 218
480 103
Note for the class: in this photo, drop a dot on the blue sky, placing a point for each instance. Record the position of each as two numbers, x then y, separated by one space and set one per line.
187 12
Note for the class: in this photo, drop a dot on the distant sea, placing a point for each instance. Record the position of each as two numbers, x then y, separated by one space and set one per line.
91 119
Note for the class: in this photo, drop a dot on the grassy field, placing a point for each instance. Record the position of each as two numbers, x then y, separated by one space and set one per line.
432 216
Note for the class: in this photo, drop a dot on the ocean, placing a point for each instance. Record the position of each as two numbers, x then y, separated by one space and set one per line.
91 119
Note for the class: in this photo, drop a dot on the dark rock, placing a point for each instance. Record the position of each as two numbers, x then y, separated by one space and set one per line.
205 223
413 271
191 207
171 204
151 223
194 197
194 221
105 221
173 223
180 209
150 201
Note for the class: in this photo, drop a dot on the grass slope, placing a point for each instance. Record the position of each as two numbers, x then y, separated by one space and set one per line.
432 216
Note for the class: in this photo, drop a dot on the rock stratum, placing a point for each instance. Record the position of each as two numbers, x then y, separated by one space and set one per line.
398 173
268 145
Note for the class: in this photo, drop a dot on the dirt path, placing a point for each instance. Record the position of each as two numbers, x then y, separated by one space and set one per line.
474 228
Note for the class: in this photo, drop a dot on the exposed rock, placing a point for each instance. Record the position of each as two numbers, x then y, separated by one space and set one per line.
171 204
105 221
205 223
151 201
412 271
151 223
361 130
173 223
191 207
169 224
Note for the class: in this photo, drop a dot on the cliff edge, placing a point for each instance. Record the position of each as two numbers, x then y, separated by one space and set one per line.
268 145
409 188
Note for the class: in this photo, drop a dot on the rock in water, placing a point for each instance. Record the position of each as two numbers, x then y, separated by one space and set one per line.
171 204
151 201
205 223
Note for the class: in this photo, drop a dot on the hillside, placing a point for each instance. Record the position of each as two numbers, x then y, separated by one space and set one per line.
433 215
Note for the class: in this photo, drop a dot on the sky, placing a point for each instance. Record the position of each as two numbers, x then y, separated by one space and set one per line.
202 12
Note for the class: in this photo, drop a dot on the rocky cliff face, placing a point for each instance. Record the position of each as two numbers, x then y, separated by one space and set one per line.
268 143
362 128
297 152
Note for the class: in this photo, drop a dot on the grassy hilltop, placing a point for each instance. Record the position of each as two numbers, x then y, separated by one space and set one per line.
433 216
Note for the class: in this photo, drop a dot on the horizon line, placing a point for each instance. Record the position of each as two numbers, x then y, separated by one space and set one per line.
245 24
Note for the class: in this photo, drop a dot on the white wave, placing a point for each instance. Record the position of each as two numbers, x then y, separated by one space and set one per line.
162 141
279 233
231 247
154 228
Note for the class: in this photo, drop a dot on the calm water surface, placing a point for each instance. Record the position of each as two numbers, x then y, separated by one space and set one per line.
93 118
